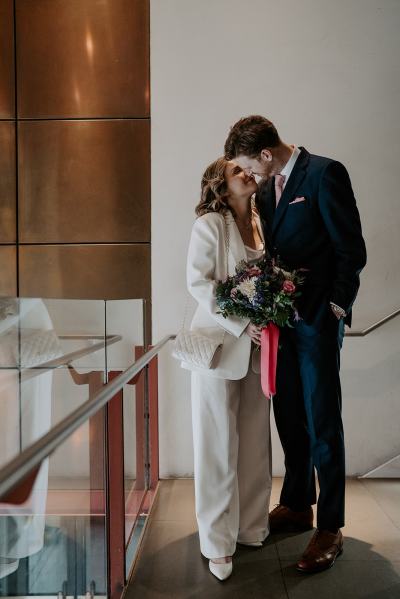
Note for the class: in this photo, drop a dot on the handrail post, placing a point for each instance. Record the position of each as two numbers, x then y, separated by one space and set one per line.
96 448
153 422
115 494
140 391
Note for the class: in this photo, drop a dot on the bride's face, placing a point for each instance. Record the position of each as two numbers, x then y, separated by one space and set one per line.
240 184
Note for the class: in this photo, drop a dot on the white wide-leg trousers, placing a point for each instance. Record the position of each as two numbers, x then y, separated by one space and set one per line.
232 461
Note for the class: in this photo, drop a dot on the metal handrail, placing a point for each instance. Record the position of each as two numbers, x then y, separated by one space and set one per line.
374 470
18 468
373 327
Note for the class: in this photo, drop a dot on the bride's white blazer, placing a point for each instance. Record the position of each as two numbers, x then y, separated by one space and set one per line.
206 264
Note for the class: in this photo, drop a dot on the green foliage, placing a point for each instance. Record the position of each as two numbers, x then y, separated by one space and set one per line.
264 292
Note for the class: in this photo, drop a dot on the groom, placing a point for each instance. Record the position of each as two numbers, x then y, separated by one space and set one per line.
310 221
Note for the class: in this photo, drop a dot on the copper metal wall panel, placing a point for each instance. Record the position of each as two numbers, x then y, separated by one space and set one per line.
7 100
85 271
8 270
83 58
7 183
84 181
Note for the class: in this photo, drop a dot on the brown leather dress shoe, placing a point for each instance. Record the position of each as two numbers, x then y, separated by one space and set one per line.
283 519
322 551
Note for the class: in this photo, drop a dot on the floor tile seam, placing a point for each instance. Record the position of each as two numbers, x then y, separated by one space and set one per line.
188 521
281 569
380 506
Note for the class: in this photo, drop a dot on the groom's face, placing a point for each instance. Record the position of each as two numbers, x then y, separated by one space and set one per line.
262 166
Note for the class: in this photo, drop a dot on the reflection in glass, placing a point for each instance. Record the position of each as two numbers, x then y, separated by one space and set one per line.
40 537
27 338
58 537
54 355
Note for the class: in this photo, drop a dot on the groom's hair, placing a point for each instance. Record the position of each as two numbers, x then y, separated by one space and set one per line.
249 136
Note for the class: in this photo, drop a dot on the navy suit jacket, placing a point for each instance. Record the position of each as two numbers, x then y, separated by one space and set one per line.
321 234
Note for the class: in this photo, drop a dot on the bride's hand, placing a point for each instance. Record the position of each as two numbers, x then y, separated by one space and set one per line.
254 333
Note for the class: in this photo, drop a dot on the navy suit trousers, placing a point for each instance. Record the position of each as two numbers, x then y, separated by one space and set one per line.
307 411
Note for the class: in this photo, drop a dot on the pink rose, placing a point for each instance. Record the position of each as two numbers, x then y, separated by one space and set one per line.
288 287
254 271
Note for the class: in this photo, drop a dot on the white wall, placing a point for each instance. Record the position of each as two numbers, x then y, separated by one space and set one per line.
327 74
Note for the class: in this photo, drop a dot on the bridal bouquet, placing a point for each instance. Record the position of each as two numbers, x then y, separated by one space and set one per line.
265 293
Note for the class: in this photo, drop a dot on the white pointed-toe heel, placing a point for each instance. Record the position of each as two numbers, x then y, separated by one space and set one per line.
255 544
220 571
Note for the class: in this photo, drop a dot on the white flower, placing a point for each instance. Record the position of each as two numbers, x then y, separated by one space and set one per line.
248 288
286 274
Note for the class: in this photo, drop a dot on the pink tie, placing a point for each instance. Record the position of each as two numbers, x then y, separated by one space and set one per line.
279 181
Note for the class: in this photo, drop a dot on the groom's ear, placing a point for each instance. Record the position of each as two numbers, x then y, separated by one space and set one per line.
265 156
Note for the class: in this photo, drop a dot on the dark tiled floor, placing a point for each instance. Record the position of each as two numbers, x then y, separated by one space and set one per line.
170 565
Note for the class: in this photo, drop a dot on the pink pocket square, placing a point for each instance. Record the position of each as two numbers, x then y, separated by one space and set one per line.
298 200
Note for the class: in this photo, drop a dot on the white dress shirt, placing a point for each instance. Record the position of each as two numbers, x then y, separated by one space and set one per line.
287 169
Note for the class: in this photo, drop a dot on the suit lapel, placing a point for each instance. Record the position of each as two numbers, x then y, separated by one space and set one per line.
296 177
265 202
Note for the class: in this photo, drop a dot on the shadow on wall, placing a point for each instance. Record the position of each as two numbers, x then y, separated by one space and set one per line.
377 380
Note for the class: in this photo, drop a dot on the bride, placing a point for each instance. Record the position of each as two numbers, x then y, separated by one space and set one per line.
230 415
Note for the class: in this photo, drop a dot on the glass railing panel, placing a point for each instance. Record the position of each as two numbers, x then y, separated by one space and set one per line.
135 480
54 544
52 356
125 318
80 328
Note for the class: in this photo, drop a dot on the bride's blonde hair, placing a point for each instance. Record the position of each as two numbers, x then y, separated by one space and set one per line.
214 197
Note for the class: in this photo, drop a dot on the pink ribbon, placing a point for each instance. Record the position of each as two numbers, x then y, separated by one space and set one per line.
269 358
